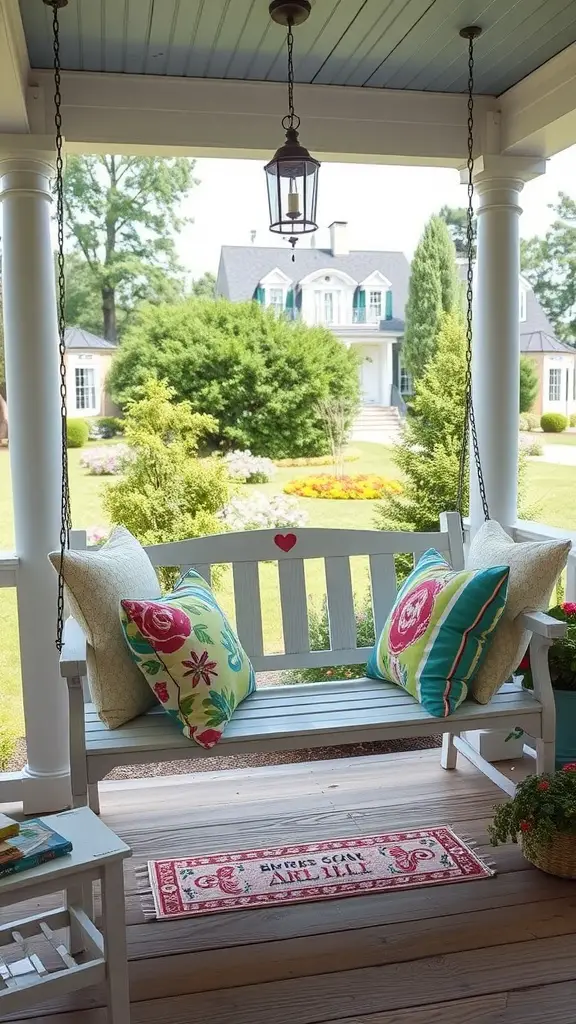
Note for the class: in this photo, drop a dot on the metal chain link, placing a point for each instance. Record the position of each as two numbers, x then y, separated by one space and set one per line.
469 426
290 46
65 516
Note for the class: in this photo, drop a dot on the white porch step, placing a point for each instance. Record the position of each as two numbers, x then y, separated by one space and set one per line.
377 423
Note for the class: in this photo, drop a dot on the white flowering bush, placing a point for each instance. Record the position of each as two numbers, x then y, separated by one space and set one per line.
262 512
251 469
97 535
107 461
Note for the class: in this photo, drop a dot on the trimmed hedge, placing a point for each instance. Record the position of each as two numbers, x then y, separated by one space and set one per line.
553 422
77 432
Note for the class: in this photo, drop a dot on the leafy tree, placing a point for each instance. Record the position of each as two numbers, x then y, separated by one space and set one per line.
166 493
259 375
429 454
205 287
549 263
434 289
122 213
83 296
456 219
529 383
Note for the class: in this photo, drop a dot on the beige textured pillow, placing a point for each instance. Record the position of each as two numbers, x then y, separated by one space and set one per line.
534 568
96 582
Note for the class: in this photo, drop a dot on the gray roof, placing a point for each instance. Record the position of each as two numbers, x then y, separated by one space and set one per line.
242 267
77 337
539 341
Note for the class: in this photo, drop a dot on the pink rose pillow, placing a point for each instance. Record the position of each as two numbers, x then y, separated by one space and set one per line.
439 631
187 651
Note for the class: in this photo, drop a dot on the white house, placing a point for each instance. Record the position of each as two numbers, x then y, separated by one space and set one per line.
88 360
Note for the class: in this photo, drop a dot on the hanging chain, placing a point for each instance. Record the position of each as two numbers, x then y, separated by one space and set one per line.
290 46
65 518
469 426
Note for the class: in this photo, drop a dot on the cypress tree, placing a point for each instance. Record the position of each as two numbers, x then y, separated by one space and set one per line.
434 288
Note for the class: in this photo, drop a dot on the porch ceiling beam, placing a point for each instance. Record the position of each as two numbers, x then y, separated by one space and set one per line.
539 114
210 117
14 69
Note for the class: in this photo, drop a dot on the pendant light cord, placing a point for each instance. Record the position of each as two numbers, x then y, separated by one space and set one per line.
469 424
65 512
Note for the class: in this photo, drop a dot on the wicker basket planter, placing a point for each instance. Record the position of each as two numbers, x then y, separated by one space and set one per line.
557 857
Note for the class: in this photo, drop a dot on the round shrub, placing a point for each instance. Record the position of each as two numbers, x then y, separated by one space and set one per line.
261 512
532 421
523 422
77 433
553 422
573 420
363 486
260 376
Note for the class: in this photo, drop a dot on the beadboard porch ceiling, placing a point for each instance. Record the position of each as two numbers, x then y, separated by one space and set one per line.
397 44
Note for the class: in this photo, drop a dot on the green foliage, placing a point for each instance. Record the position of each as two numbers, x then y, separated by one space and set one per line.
543 805
122 213
77 432
573 419
7 743
562 653
259 375
204 287
109 426
434 289
533 448
549 265
320 641
456 219
528 421
429 453
167 492
529 383
553 422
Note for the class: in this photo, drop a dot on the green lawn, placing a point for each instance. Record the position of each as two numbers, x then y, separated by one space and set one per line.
566 437
550 486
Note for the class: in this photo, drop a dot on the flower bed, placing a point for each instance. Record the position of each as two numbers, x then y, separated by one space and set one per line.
362 486
107 461
260 512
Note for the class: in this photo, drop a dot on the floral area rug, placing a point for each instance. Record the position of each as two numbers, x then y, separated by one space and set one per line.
332 869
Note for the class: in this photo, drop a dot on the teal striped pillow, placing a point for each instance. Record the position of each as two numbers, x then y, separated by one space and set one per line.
439 630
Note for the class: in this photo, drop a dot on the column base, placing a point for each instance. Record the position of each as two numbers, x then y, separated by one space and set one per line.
45 794
493 745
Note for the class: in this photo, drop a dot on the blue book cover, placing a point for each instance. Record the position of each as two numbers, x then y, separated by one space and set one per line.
37 844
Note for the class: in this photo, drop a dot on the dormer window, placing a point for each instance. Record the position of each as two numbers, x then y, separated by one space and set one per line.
276 300
374 306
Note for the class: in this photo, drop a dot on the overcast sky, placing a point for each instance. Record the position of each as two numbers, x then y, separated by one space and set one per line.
386 207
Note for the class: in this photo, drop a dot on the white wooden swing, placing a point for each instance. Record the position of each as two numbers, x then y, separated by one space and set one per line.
321 714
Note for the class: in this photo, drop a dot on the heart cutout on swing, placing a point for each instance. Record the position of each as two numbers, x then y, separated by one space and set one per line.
285 541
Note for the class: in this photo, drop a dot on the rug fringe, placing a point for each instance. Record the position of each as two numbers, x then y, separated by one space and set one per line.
490 865
145 892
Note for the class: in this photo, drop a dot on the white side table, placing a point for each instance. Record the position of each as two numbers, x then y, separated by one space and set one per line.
97 854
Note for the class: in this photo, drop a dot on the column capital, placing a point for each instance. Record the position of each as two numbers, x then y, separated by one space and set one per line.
27 164
511 172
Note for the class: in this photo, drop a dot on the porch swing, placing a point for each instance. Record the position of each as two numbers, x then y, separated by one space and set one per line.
304 716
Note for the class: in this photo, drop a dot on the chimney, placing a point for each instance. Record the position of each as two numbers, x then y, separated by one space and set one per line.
339 238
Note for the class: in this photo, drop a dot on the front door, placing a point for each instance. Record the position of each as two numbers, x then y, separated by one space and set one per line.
370 374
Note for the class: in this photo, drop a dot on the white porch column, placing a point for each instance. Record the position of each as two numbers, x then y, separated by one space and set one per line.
496 342
496 361
32 382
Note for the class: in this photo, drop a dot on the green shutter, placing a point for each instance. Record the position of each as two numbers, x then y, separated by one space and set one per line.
259 295
361 299
388 305
290 299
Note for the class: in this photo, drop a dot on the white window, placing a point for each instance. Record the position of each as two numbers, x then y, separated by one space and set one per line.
326 307
406 383
276 299
375 307
85 387
554 384
522 305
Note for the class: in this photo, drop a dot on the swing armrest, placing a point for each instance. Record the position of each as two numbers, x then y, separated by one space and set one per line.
543 625
73 657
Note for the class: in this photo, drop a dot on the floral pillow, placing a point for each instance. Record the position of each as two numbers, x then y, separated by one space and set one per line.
193 661
438 631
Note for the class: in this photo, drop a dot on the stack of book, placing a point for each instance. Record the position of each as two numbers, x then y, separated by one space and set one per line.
26 845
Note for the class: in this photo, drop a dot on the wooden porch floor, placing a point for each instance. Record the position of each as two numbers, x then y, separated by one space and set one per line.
498 951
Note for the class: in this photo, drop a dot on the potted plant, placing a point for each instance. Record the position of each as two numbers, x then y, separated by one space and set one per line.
543 813
562 664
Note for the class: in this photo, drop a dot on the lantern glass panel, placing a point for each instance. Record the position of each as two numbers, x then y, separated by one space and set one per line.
292 195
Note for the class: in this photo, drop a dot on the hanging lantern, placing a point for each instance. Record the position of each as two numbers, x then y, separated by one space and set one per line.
292 174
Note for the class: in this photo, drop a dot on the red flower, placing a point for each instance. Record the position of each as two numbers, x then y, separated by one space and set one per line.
411 618
161 691
208 738
543 786
569 767
200 668
569 607
165 627
525 663
525 826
